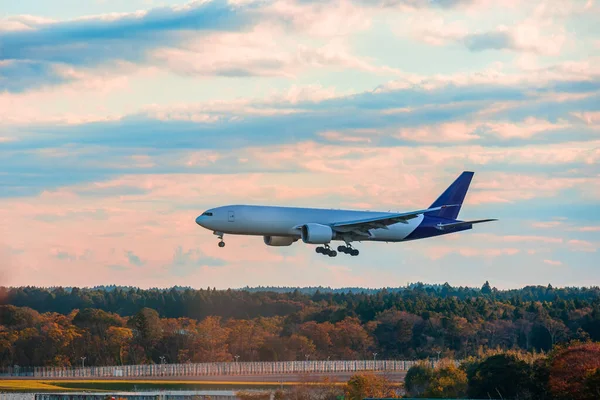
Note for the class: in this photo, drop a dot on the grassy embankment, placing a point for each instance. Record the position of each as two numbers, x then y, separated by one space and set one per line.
31 385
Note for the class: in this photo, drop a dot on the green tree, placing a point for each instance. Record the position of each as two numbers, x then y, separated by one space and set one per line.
418 378
147 329
498 377
592 384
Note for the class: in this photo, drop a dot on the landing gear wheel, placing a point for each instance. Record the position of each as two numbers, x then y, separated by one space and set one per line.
354 252
342 249
332 253
320 250
221 244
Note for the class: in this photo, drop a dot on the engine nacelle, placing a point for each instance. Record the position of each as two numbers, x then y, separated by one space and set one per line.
317 234
279 240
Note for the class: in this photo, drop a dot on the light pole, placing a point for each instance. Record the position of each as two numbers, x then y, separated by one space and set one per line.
374 357
438 353
307 355
162 362
83 362
236 358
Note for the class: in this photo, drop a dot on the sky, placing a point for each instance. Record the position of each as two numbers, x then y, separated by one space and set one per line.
121 121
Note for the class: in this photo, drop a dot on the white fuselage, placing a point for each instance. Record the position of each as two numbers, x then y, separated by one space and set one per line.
284 221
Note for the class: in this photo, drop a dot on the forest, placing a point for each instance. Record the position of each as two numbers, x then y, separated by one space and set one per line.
114 325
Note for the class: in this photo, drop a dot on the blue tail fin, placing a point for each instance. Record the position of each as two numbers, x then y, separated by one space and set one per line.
455 194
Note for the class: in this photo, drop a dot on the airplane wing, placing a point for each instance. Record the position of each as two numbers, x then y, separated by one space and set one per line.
362 226
461 223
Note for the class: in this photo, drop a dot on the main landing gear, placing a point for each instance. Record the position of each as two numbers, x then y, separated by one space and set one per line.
348 250
220 236
326 251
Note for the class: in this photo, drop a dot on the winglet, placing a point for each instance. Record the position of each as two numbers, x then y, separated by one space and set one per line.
455 195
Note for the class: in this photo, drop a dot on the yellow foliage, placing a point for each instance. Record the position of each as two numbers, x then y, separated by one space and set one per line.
361 386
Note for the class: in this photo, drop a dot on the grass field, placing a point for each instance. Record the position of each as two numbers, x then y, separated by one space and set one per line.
124 385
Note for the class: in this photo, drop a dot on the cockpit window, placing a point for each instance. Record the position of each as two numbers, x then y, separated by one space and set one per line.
208 214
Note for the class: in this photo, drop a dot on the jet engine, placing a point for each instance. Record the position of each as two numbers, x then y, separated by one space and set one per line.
279 240
317 234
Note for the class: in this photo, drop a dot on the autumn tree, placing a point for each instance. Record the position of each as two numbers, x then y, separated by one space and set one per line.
447 381
351 340
320 336
369 385
211 341
118 340
570 367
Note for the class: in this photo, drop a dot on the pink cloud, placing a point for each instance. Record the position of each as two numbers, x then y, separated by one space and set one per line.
267 50
547 224
439 252
553 262
522 238
586 229
582 245
349 137
322 19
526 129
539 33
589 117
447 132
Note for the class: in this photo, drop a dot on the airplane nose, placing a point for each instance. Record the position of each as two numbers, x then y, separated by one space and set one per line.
199 220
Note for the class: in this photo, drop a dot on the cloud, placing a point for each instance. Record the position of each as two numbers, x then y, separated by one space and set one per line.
521 238
582 245
185 263
202 38
19 75
547 224
96 39
590 118
586 229
37 52
439 252
553 262
538 35
63 255
525 37
263 51
134 259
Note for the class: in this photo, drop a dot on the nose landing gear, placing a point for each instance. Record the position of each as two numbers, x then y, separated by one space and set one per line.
220 236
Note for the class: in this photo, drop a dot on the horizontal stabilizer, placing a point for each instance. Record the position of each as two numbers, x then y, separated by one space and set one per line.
461 223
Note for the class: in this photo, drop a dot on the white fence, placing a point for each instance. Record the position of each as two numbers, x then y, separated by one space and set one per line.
17 396
225 368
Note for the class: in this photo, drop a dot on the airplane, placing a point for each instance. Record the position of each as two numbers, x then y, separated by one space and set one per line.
283 226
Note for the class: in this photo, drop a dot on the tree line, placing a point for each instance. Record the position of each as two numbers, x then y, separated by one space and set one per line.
569 371
58 326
